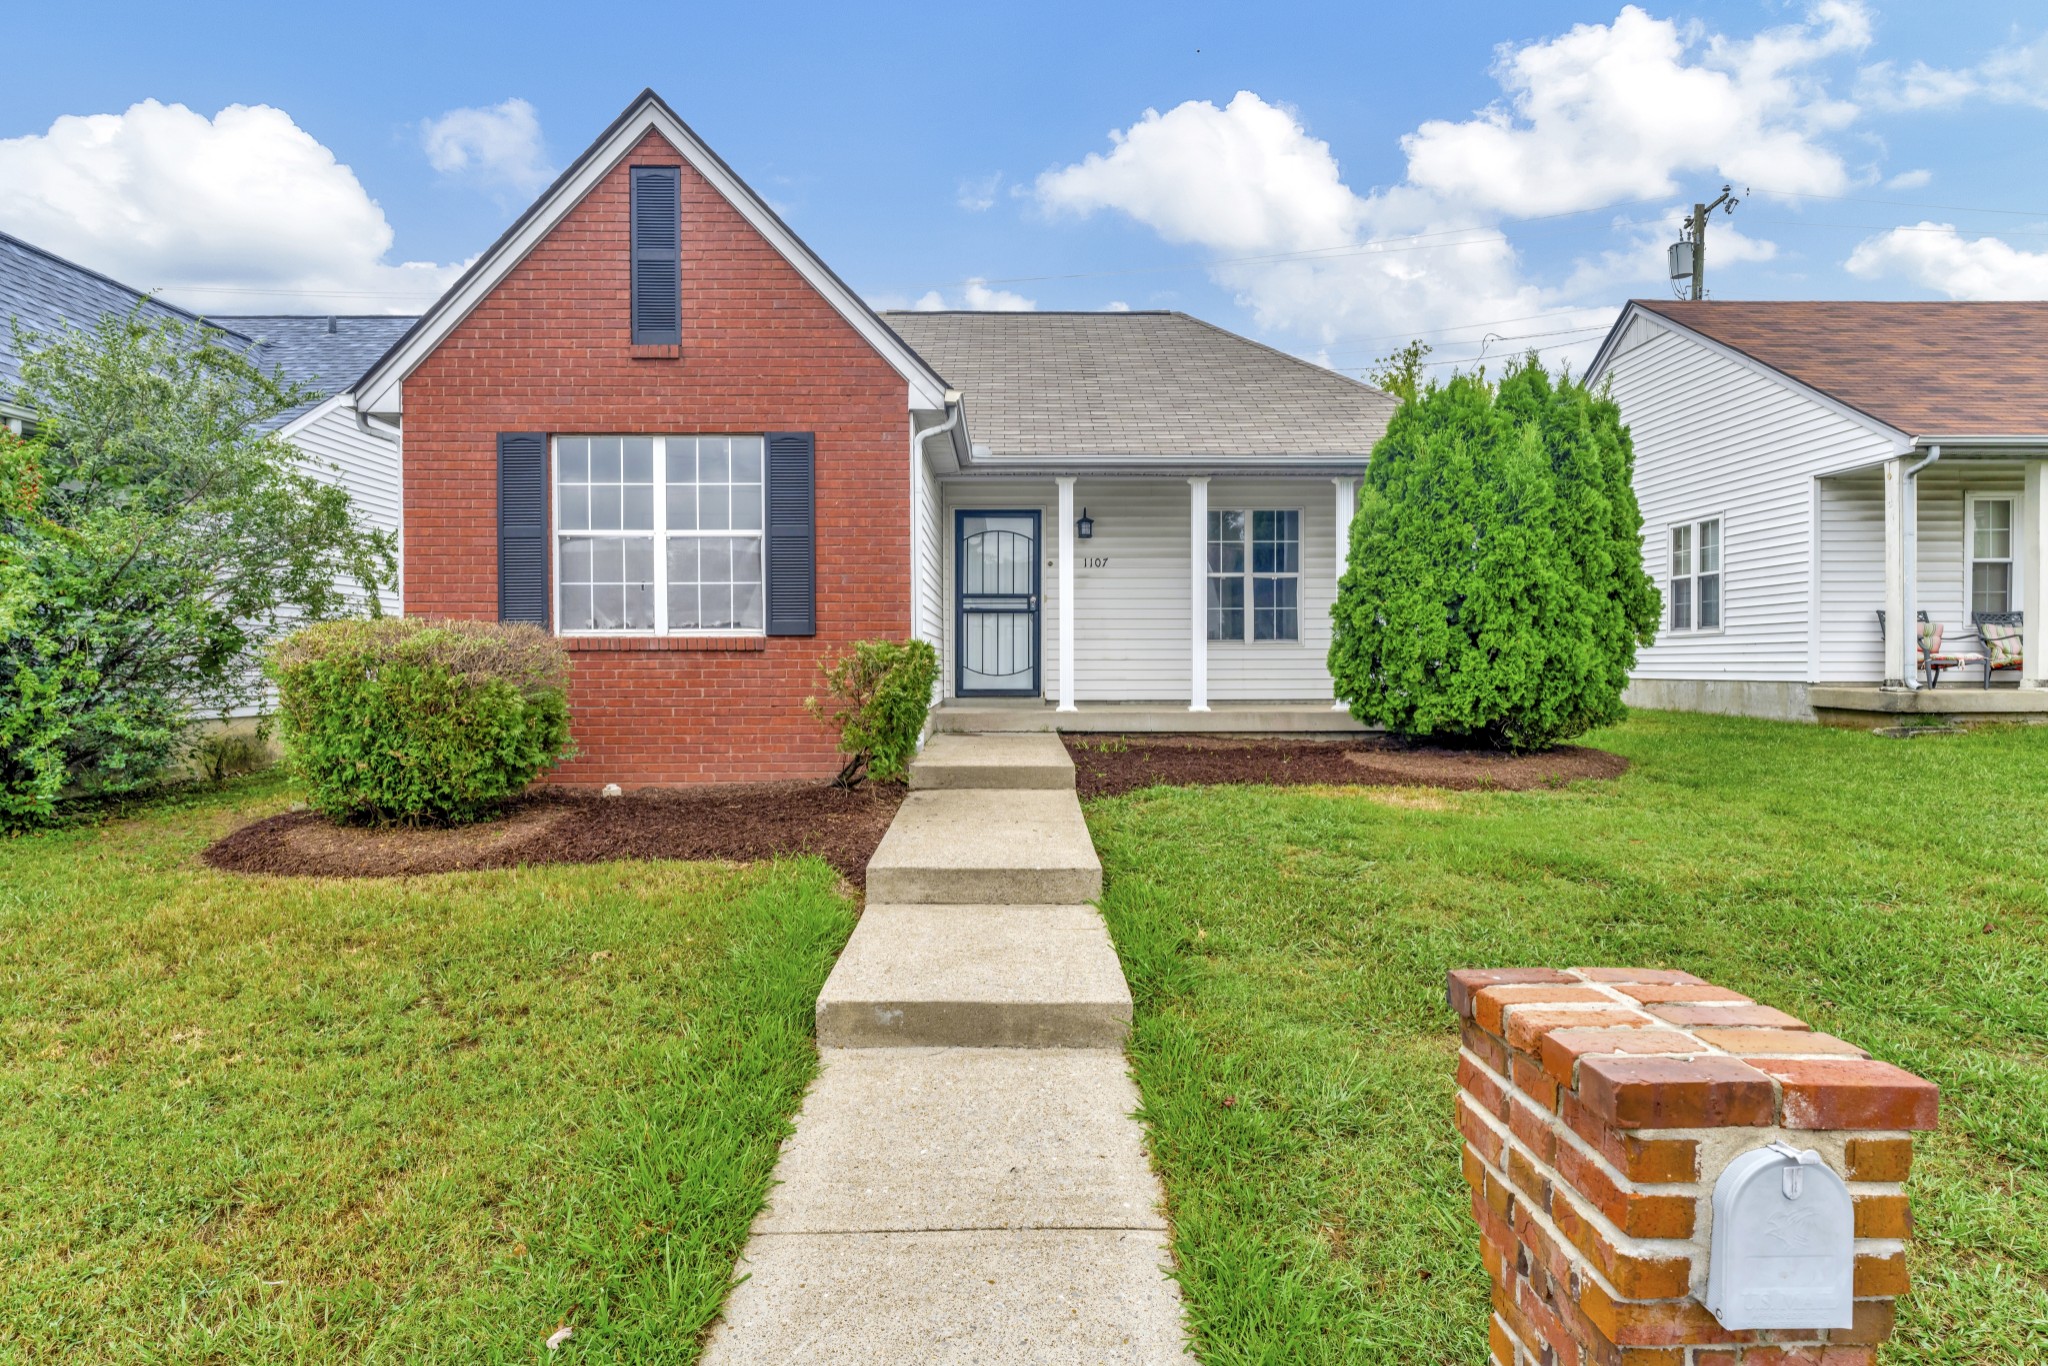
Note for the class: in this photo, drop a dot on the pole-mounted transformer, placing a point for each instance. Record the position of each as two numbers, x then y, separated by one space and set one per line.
1689 252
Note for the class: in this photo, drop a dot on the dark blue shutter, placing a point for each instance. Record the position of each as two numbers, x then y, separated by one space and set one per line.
792 559
523 527
657 256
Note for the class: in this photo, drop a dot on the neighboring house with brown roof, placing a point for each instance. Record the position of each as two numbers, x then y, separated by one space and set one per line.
1803 467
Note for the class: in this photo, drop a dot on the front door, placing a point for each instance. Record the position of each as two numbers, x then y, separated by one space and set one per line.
996 610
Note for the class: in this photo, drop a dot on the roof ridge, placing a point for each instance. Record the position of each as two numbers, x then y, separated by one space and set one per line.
141 295
1276 351
1030 312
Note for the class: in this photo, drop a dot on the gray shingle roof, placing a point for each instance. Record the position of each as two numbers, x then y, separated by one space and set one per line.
46 294
1163 386
326 354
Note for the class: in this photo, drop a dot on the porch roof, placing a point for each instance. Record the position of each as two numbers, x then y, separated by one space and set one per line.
1934 370
1141 387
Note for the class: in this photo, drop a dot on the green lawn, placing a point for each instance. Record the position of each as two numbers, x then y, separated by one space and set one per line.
1287 949
305 1121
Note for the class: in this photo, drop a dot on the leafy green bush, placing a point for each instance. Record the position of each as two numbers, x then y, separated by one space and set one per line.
881 692
411 721
1495 588
155 536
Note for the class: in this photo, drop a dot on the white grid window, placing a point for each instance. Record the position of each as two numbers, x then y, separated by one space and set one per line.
703 530
1255 573
1693 590
1991 557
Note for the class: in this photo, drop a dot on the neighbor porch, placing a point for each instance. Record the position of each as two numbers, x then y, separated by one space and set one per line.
1950 539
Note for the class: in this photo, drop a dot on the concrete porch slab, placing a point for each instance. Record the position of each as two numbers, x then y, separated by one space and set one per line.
976 977
1031 1298
975 847
967 716
993 761
1862 705
895 1140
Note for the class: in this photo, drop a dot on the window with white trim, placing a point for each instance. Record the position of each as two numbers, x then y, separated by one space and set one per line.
1692 593
1990 550
1255 574
658 535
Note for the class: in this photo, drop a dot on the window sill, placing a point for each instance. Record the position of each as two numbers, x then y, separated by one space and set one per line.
640 352
667 644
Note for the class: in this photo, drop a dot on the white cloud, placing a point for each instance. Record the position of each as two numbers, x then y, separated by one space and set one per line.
1605 114
242 213
979 194
1910 180
975 294
2014 74
1116 306
1610 112
1936 256
495 145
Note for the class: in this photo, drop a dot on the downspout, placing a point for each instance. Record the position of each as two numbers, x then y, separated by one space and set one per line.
1912 566
386 431
916 525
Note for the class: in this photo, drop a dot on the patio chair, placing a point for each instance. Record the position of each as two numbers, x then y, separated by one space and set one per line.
1933 659
2000 633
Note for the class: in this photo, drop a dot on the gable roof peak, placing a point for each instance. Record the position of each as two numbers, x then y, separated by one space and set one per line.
379 391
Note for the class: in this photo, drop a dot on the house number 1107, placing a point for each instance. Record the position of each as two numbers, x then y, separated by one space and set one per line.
1095 561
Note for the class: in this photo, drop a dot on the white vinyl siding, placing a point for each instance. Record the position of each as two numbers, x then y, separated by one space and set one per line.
337 449
1716 437
1132 587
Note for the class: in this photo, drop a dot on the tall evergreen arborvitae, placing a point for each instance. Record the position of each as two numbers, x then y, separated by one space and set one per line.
1495 590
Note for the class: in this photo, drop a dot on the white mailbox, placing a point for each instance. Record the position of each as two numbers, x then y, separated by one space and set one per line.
1784 1253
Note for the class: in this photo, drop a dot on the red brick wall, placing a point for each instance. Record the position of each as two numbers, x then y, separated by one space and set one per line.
550 351
1600 1105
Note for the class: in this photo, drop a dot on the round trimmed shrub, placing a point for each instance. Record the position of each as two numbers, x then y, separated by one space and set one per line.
409 721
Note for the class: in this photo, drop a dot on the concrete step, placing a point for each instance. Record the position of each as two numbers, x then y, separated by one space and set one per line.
905 1140
976 977
1039 1297
993 761
973 847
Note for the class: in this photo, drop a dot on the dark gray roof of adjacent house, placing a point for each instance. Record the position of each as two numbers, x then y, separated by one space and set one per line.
325 354
44 294
1159 385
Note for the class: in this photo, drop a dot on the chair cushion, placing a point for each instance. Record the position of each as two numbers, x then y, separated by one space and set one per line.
2002 643
1930 639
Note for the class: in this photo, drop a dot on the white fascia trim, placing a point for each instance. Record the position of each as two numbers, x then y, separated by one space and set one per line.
342 401
1900 441
380 389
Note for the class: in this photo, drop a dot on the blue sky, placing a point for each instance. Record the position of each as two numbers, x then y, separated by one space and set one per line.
1330 179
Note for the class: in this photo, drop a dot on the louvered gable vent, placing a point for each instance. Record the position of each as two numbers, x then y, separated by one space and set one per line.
657 256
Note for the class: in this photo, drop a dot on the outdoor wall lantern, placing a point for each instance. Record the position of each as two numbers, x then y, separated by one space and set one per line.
1084 525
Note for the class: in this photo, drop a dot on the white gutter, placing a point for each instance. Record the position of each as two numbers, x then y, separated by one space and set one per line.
1912 565
371 426
917 509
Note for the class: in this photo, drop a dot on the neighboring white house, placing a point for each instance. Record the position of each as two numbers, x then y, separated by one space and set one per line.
43 294
1802 467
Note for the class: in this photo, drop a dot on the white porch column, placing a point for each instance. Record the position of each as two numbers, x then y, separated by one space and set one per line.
1198 616
1347 508
2034 576
1900 638
1066 483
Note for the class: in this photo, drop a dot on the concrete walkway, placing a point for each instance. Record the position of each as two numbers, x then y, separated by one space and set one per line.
966 1183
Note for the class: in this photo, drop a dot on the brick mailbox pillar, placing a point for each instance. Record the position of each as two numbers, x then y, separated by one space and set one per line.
1599 1108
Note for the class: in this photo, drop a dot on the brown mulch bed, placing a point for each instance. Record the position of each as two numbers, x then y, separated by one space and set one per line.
738 823
1106 766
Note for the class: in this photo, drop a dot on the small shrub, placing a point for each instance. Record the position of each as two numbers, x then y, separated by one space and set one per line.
417 722
881 692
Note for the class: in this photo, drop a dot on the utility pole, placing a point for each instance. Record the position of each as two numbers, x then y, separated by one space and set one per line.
1689 253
